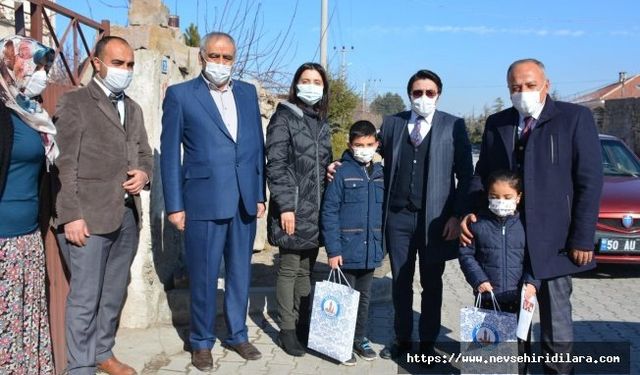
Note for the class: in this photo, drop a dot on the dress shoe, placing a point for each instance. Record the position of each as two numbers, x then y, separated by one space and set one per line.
202 359
114 367
395 350
246 350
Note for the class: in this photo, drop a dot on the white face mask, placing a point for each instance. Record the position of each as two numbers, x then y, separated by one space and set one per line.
117 80
219 74
309 93
527 102
36 84
424 106
503 207
363 154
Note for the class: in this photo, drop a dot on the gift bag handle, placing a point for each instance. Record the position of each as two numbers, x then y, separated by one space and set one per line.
494 301
338 277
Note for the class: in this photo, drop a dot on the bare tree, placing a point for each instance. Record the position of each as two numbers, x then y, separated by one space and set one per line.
258 56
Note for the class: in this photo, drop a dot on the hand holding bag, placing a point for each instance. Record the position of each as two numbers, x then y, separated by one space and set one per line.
488 333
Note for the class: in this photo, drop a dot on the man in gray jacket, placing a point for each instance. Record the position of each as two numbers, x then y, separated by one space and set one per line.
105 161
425 151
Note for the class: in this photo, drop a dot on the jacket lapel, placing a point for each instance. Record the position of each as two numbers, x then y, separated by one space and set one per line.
202 94
238 97
128 114
437 131
547 112
105 105
398 131
508 132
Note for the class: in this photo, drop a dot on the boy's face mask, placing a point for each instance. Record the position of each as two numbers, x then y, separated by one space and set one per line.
363 154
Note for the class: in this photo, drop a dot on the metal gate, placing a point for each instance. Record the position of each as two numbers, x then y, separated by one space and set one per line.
73 70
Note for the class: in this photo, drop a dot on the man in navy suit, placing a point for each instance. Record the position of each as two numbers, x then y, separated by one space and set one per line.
216 192
425 150
555 147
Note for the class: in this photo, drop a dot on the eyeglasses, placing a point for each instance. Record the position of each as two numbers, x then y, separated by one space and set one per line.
429 93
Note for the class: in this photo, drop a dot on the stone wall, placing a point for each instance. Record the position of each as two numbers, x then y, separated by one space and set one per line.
7 21
621 118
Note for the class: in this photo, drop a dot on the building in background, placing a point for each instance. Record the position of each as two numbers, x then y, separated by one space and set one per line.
616 108
7 21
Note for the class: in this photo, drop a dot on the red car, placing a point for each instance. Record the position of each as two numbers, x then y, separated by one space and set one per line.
617 238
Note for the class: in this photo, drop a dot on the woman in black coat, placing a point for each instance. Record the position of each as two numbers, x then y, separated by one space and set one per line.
298 152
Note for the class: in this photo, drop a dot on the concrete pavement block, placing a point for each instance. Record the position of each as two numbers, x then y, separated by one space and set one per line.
280 369
178 364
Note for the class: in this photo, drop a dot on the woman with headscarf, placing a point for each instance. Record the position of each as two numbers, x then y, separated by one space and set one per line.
27 149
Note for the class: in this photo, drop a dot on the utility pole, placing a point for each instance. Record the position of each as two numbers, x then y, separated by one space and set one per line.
323 33
364 95
343 60
364 91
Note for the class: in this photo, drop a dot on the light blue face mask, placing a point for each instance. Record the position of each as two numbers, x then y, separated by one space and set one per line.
117 79
309 93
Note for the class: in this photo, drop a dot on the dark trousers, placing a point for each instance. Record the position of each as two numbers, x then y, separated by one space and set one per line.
556 324
206 242
293 287
360 280
98 285
405 238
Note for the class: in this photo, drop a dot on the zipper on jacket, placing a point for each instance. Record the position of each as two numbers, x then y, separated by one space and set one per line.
319 197
295 200
368 240
318 174
553 160
504 254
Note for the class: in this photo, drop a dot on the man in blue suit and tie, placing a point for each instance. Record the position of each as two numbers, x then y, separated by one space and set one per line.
216 192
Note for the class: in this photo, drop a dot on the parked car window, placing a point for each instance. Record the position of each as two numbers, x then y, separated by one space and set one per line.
617 160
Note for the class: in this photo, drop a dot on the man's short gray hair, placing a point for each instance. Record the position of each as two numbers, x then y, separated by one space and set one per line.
522 61
215 35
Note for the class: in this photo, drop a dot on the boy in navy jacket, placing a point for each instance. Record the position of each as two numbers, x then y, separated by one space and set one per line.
352 223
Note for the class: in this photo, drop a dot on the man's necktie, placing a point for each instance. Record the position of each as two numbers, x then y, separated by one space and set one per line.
526 131
115 98
415 136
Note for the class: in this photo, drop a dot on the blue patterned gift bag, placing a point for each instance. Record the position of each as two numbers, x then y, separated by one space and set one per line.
333 317
490 335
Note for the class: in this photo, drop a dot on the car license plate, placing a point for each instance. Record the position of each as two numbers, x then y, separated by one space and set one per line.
611 245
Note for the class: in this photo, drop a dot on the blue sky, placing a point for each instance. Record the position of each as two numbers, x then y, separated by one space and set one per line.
469 43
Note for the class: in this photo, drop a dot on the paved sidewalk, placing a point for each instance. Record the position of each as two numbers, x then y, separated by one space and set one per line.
605 309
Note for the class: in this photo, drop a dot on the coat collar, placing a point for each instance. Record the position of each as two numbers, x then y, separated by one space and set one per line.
548 111
105 105
509 130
